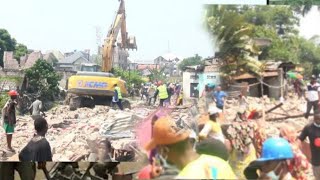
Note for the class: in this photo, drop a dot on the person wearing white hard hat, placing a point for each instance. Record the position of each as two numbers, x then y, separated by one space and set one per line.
212 128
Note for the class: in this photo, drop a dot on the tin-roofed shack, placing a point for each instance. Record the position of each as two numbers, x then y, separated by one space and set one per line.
274 81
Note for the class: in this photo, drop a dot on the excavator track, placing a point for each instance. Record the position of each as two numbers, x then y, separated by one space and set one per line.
74 101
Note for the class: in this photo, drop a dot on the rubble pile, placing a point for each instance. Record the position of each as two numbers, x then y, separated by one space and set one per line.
277 117
69 130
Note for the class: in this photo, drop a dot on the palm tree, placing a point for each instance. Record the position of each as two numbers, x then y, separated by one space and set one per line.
233 35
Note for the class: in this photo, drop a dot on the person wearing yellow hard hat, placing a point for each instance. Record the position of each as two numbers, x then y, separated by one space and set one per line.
9 117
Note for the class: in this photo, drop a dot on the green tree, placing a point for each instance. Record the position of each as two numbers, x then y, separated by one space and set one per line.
20 50
190 61
43 79
233 35
131 77
157 74
6 43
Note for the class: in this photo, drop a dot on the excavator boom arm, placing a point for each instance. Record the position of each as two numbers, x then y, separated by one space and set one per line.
109 44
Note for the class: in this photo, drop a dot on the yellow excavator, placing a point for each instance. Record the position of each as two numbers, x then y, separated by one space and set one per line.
90 87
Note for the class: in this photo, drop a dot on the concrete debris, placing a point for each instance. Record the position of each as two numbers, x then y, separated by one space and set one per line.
291 106
72 134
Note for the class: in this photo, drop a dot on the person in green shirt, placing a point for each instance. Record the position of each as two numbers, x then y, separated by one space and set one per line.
9 117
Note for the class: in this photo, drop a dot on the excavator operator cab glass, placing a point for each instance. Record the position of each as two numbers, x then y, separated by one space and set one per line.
90 68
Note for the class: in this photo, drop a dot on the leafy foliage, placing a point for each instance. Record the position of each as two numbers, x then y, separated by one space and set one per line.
20 50
301 7
43 79
158 75
190 61
234 39
131 77
3 99
6 43
234 27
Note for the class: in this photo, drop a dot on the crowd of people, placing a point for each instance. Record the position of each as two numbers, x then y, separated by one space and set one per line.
167 93
240 149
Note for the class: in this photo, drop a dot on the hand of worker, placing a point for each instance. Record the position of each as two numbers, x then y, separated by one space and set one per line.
156 170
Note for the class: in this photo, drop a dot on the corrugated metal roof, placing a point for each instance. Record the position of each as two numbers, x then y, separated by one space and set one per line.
249 76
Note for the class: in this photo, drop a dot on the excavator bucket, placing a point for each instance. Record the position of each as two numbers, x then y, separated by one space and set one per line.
131 43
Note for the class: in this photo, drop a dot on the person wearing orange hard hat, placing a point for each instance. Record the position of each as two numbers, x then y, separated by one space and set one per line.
175 147
9 117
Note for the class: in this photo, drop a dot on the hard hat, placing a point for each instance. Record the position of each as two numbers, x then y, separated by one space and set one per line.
13 93
214 110
276 149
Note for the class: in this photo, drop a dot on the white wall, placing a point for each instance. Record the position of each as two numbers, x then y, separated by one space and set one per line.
186 83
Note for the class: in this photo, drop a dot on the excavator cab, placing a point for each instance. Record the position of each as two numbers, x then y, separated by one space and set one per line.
90 67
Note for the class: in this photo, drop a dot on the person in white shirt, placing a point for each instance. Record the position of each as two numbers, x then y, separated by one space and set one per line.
312 96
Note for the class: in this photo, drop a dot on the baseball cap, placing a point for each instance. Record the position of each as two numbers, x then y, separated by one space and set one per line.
214 110
166 132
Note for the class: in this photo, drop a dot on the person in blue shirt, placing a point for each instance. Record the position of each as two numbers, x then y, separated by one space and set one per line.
218 97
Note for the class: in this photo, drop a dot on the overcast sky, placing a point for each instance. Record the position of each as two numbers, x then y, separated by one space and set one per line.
159 25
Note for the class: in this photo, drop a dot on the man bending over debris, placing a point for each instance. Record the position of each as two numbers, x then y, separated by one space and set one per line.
38 149
36 107
9 117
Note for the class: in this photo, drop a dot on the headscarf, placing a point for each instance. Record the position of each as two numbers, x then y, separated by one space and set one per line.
289 133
